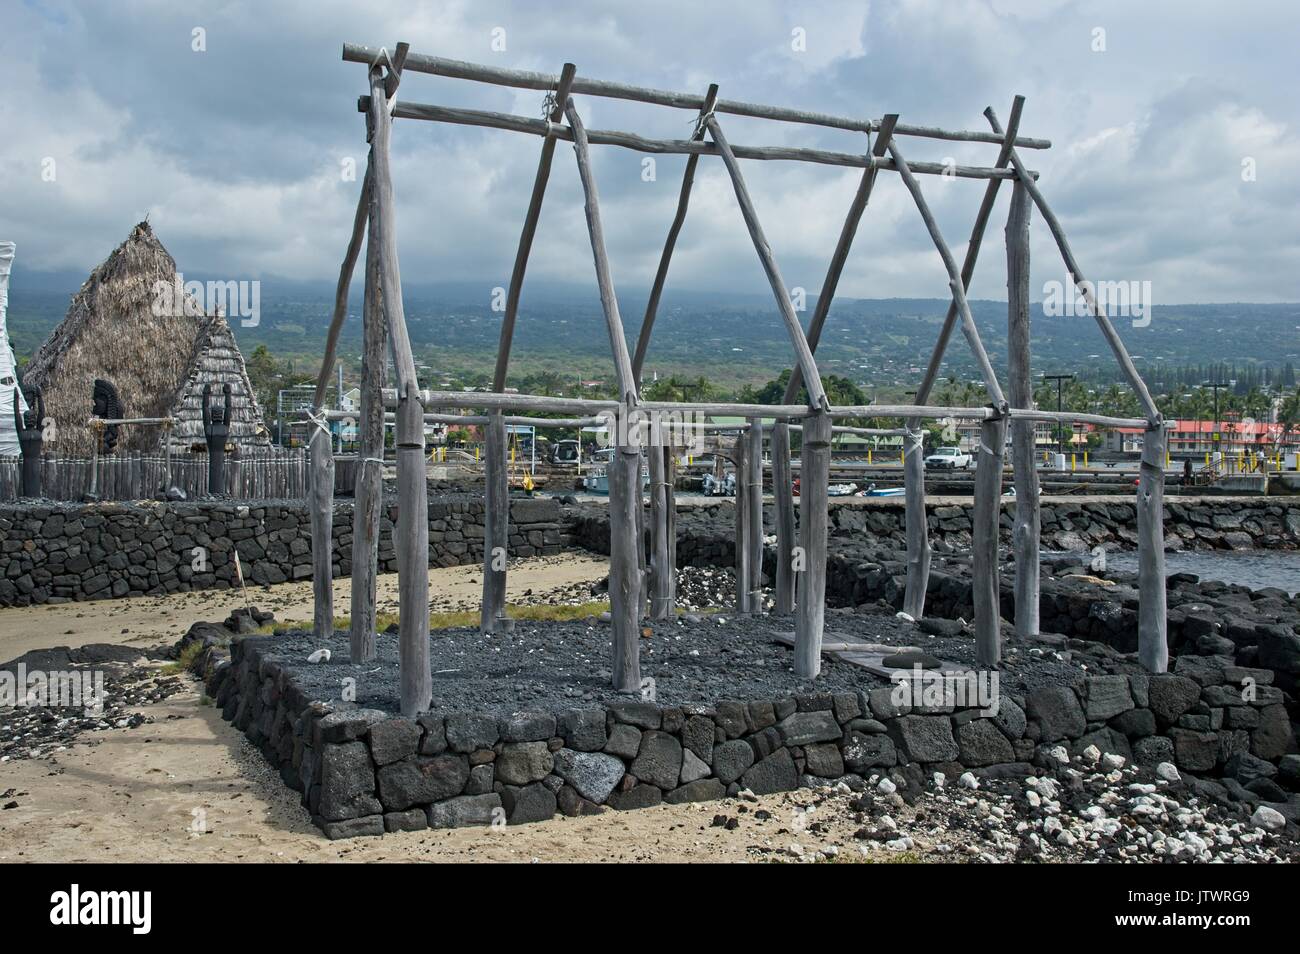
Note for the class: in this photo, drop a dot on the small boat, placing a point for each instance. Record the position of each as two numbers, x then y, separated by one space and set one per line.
841 490
882 492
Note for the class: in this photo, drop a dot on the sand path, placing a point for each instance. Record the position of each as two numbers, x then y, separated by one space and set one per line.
190 788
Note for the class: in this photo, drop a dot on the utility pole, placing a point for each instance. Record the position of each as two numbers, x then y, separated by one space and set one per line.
1060 380
1217 388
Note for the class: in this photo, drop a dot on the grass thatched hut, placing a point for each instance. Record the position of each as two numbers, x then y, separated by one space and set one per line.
157 358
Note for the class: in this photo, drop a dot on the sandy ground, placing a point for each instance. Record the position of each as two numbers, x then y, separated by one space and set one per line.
190 788
148 620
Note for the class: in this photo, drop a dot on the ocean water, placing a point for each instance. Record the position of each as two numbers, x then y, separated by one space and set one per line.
1253 568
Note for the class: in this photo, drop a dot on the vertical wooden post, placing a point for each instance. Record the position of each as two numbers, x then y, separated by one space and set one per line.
783 504
1025 534
984 543
644 535
412 545
625 467
368 489
918 533
670 535
814 480
754 520
320 448
496 526
661 600
624 576
743 569
412 534
1153 647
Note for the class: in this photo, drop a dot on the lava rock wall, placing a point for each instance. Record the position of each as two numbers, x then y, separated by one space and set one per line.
58 553
364 772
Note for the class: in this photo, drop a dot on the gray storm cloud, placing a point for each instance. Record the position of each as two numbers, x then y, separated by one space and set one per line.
236 151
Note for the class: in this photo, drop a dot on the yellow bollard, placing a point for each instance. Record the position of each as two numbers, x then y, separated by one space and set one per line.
1072 463
1207 458
1085 460
868 455
1166 460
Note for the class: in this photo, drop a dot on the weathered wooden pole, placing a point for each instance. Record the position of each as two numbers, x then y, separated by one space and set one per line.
368 488
972 253
783 508
956 282
744 569
917 533
496 526
341 291
320 448
782 491
412 533
644 535
754 519
661 570
527 79
670 243
624 577
670 535
984 543
625 467
1026 530
803 354
1085 287
561 96
1153 646
814 482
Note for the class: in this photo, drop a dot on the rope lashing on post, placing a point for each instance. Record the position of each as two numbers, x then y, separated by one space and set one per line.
914 440
701 122
382 56
549 106
320 422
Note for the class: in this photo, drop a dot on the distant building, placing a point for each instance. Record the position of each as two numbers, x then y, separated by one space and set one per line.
1195 438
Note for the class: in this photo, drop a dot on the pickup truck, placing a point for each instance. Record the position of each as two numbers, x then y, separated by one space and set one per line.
948 458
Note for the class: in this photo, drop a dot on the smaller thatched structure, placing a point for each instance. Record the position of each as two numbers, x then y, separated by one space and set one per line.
156 358
216 360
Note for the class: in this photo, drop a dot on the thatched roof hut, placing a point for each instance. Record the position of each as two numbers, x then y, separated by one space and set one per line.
157 358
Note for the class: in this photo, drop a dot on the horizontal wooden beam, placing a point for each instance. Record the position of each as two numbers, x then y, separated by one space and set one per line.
627 140
1069 417
774 412
912 410
106 422
476 419
527 79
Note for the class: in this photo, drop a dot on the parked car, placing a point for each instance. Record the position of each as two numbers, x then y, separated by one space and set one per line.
949 458
565 452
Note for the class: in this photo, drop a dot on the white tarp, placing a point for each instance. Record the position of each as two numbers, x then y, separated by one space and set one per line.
8 366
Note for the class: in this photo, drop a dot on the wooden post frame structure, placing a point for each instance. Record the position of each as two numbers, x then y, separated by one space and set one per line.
801 566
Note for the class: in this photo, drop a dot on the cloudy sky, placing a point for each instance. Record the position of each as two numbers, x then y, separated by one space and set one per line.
1175 159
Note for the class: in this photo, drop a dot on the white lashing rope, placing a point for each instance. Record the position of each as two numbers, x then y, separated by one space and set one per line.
321 425
387 60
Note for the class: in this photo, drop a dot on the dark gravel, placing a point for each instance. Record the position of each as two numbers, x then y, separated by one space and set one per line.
697 659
